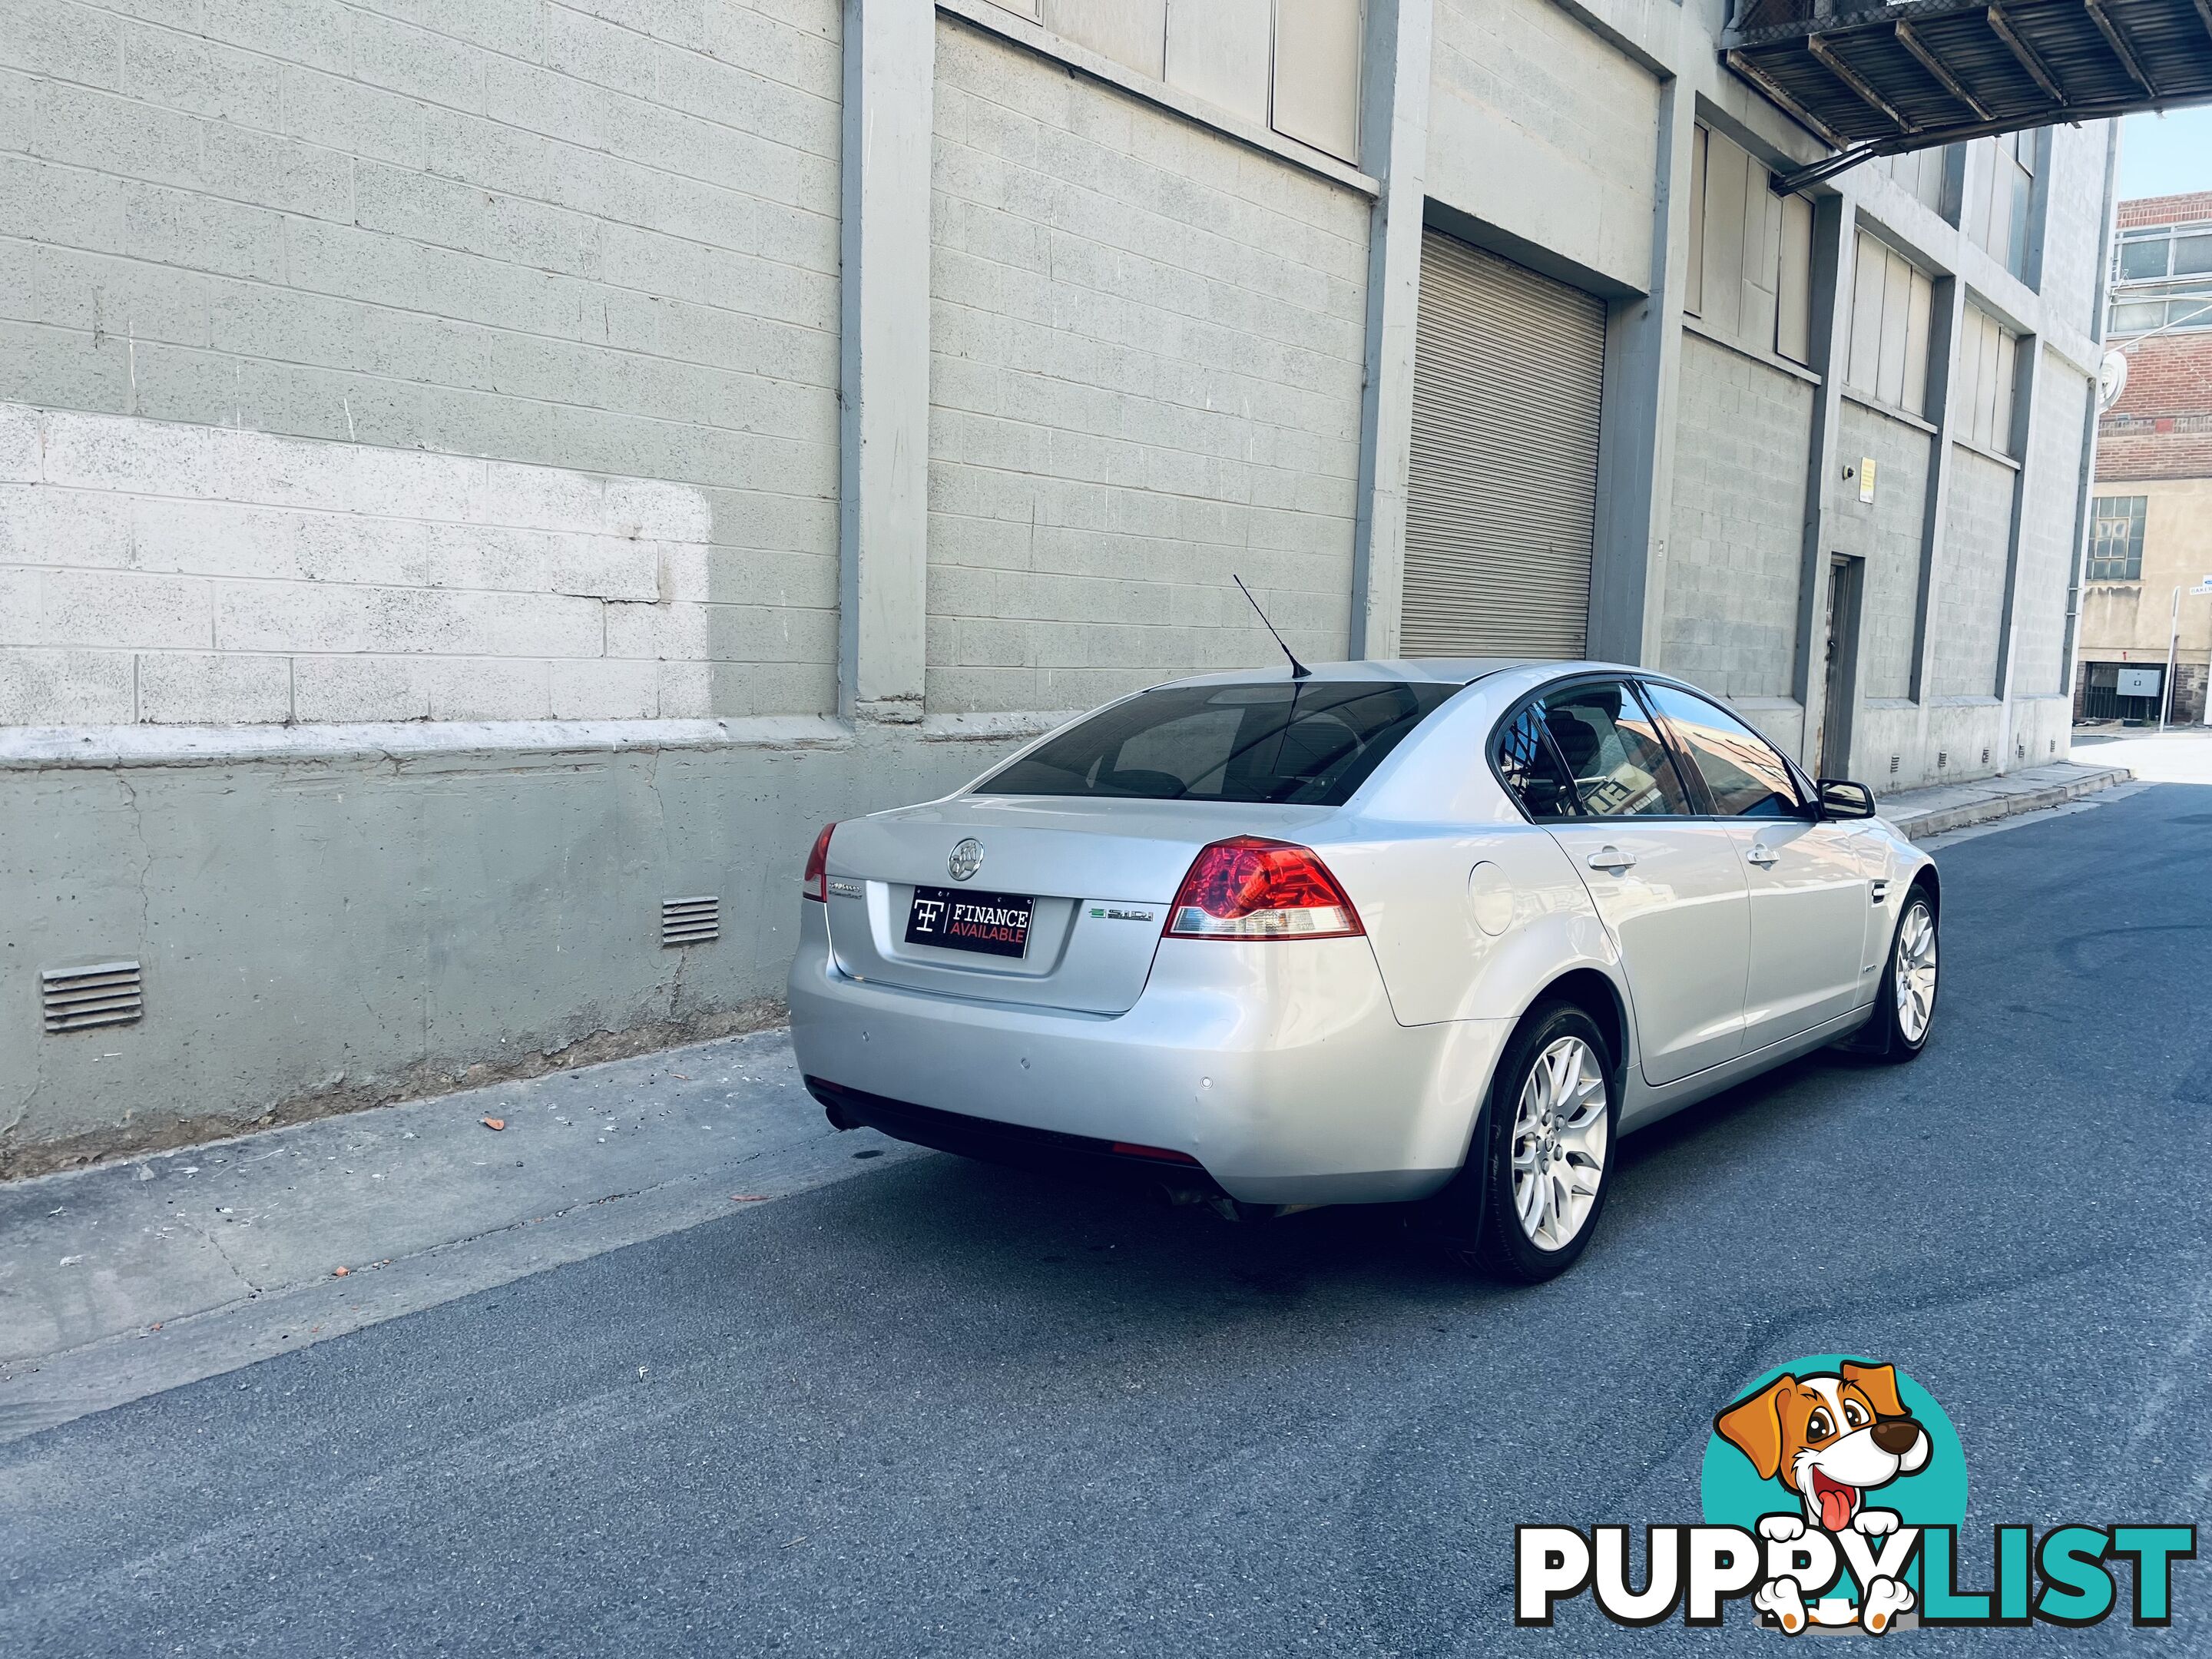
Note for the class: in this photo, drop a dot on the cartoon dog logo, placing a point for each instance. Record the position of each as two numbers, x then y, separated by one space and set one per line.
1831 1437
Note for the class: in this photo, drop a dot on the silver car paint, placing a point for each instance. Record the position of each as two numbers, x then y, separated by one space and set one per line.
1317 1071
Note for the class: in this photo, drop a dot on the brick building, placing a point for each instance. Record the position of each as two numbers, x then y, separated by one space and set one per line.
471 475
2151 537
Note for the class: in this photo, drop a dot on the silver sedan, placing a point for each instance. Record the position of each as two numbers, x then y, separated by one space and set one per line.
1436 932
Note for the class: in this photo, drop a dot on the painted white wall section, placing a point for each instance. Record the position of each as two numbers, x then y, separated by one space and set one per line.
153 571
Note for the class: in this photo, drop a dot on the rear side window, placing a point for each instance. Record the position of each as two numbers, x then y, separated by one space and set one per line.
1299 743
1742 771
1620 768
1530 767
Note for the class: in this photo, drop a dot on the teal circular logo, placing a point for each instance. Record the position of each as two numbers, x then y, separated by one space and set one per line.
1828 1439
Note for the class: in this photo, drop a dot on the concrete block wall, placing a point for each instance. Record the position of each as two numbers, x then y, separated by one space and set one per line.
1735 553
159 572
510 230
1147 346
1977 528
1888 534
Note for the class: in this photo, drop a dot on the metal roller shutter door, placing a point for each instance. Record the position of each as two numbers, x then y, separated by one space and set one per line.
1508 368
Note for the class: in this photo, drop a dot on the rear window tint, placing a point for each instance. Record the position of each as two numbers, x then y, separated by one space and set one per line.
1300 743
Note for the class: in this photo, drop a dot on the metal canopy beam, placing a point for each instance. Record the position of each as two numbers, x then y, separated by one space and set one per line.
1909 38
1929 137
1776 94
2024 54
2120 49
1851 78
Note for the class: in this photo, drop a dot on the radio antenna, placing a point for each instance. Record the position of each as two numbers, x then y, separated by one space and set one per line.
1298 669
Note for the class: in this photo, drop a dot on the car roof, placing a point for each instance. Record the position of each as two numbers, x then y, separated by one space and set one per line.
1433 671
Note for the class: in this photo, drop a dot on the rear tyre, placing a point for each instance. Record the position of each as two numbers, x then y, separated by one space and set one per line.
1904 1011
1529 1200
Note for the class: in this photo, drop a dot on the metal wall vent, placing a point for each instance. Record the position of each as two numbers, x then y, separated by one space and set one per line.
106 994
691 920
1985 755
1942 758
1893 761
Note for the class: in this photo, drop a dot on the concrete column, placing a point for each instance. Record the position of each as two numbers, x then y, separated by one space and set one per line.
883 510
1635 434
1949 321
1394 147
2028 380
1835 247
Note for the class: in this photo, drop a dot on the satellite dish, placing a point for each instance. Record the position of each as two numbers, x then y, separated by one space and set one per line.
2112 380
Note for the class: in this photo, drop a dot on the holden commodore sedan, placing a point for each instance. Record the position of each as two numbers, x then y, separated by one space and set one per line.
1434 933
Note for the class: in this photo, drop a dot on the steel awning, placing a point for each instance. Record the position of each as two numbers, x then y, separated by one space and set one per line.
1876 78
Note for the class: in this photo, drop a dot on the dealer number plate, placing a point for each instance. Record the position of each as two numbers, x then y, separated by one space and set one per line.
992 924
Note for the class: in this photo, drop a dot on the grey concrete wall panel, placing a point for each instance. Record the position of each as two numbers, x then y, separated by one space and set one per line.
1145 378
1966 623
1501 504
1886 533
2047 537
1539 126
1744 429
340 929
1394 114
884 359
1318 58
1133 32
612 250
1222 51
2074 224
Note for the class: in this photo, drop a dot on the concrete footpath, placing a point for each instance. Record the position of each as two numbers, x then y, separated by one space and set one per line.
127 1278
130 1277
1921 813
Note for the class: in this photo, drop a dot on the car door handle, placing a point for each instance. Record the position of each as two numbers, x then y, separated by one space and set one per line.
1611 858
1761 854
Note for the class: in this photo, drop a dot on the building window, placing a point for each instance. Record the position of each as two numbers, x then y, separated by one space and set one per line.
2116 537
1293 65
1751 253
2162 277
1999 213
1893 302
1928 176
1983 397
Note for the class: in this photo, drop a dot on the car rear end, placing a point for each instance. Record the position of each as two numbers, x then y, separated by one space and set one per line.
1141 967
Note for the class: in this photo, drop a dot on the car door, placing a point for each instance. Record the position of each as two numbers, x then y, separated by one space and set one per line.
1806 874
1670 888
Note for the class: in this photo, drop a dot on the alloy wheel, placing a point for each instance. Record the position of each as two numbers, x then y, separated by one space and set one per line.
1916 972
1561 1134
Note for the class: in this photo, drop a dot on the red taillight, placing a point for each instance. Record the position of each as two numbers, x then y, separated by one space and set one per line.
1164 1154
816 878
1253 888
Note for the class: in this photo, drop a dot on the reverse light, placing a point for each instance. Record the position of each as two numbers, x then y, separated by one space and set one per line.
1249 887
816 882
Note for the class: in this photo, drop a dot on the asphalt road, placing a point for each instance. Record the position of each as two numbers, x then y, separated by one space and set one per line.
947 1409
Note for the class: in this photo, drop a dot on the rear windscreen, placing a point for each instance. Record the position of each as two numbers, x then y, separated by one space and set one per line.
1301 743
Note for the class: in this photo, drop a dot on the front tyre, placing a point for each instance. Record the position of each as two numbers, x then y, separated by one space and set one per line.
1539 1184
1904 1013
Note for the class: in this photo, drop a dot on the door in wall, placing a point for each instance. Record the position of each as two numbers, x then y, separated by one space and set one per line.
1832 746
1508 369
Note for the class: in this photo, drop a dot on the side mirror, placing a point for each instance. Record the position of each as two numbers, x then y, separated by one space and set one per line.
1841 798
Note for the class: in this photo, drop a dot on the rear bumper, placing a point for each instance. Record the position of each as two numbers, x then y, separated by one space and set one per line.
1002 1143
1278 1065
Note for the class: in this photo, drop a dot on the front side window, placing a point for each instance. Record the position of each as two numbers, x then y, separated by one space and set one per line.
1620 767
2116 537
1742 774
1294 743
